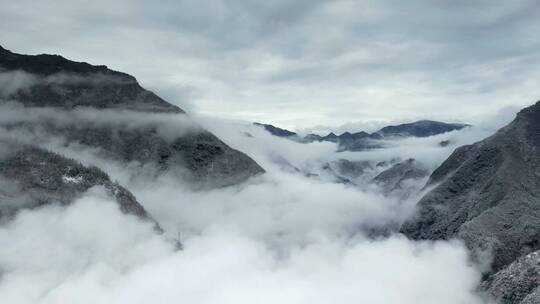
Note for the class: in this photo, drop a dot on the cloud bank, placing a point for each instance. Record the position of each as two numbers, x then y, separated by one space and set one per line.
302 63
281 237
59 255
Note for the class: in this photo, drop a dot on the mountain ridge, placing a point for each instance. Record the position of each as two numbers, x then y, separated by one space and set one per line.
58 82
362 140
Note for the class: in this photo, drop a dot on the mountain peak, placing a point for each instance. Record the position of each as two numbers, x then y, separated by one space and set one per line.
48 64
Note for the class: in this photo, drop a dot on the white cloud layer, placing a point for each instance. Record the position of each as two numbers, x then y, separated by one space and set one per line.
61 255
279 238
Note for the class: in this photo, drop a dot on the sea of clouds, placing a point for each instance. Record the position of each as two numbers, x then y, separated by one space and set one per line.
282 237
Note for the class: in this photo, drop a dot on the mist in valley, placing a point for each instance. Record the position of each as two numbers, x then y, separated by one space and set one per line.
291 235
295 152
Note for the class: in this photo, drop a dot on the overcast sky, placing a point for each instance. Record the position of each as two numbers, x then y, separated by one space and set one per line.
301 63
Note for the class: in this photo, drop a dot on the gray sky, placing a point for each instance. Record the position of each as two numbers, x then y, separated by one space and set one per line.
301 63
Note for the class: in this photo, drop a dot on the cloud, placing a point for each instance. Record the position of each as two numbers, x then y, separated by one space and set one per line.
36 122
303 63
281 237
280 200
59 254
288 206
265 148
47 246
13 81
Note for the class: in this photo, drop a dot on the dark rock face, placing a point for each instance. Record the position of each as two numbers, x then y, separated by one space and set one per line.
422 128
51 81
488 194
32 177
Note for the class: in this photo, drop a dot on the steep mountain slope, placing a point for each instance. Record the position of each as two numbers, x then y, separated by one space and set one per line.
518 282
53 82
488 194
33 177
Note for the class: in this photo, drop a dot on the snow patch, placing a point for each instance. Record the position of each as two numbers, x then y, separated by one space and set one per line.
72 180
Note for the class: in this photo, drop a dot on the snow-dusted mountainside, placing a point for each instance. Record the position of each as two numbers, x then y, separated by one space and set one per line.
32 177
488 194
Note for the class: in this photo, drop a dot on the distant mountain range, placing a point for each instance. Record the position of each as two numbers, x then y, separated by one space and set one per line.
359 141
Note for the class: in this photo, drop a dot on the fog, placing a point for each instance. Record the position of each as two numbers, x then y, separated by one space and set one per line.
282 237
37 121
13 81
60 255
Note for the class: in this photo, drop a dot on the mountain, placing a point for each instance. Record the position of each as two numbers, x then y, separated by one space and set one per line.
360 141
53 82
32 177
421 128
488 194
518 282
398 175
